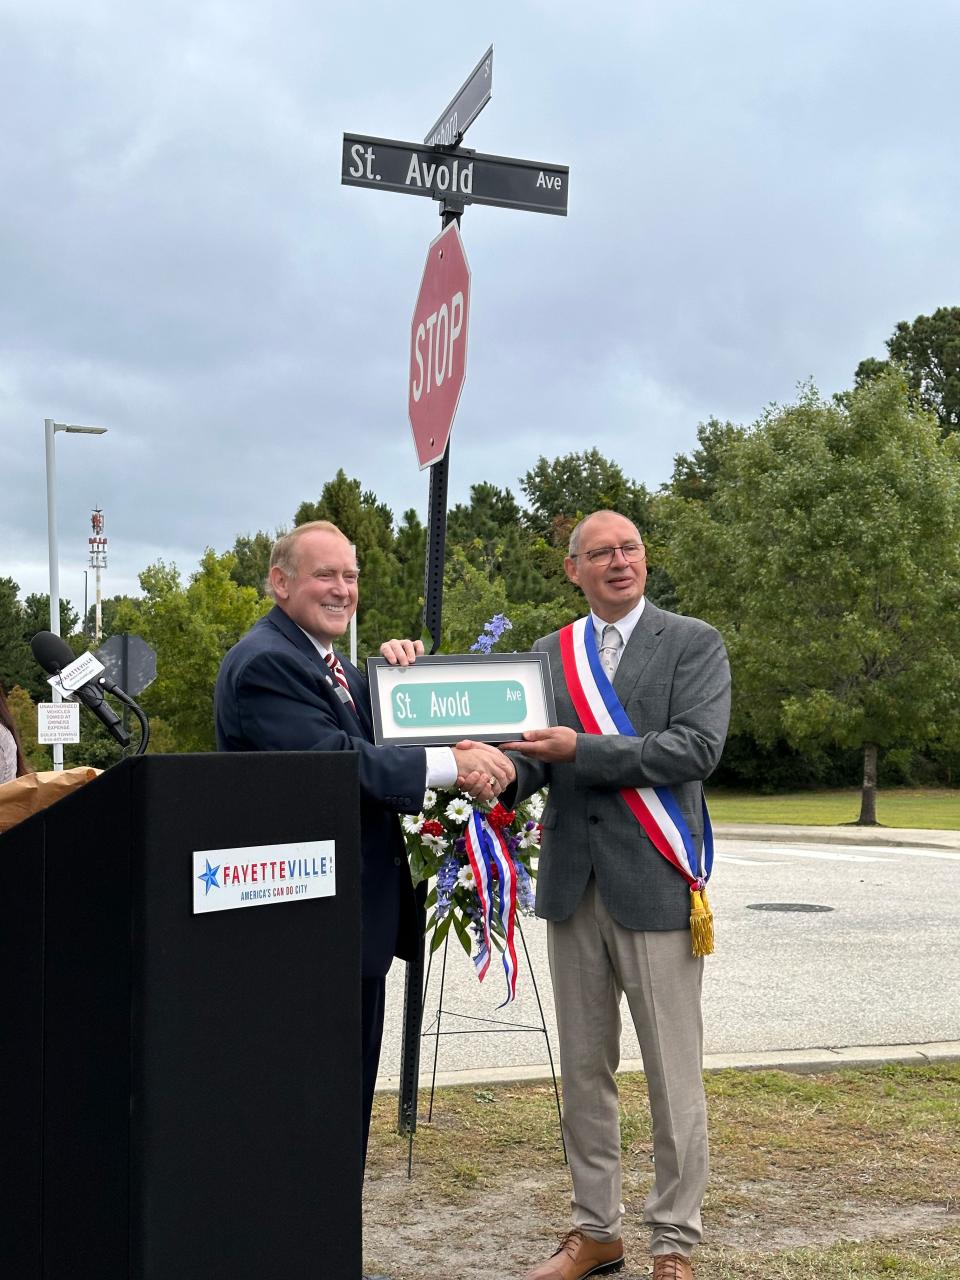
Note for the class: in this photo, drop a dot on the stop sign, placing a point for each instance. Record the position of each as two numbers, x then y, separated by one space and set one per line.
438 345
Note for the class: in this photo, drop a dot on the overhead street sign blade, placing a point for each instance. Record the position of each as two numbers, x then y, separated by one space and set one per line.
417 170
466 104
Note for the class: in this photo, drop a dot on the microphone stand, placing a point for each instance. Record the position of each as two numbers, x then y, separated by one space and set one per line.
144 725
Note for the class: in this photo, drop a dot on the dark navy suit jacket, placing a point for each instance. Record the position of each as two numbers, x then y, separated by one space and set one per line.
275 693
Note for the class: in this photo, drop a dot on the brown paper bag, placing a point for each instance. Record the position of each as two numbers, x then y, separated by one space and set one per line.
35 791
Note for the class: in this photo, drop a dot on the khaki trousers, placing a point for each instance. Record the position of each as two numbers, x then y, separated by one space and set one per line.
593 961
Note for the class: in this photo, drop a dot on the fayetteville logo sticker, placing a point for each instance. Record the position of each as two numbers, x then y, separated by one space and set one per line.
224 879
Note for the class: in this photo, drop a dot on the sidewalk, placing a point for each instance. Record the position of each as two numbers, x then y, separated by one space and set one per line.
799 1060
902 837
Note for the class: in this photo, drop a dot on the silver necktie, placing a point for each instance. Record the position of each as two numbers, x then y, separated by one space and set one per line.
611 642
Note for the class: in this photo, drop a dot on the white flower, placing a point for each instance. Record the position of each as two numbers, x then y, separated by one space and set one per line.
535 806
412 825
530 839
429 798
459 810
465 878
437 843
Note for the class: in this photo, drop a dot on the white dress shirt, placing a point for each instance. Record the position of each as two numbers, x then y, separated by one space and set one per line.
624 625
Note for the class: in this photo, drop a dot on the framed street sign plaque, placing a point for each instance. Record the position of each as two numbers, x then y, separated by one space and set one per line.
441 699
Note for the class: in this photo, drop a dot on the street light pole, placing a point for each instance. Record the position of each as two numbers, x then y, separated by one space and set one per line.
50 428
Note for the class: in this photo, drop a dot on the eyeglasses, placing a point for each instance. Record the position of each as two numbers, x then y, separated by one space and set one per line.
603 556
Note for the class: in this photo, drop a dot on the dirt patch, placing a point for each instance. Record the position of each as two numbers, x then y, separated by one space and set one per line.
497 1232
848 1175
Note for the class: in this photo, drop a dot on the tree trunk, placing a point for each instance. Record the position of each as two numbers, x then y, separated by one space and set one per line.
868 796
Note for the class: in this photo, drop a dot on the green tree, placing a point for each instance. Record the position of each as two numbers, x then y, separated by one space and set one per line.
19 623
17 665
191 629
869 369
252 559
490 513
388 604
355 511
491 533
696 475
561 492
24 712
410 549
928 350
829 556
109 609
472 597
36 615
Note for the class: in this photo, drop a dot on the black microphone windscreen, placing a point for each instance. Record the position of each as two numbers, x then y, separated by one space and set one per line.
52 652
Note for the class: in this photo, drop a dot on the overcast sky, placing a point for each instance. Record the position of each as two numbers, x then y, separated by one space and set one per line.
758 192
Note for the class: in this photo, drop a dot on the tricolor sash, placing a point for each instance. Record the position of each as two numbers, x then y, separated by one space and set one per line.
490 861
655 808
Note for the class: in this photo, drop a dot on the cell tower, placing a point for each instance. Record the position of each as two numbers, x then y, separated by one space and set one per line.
98 561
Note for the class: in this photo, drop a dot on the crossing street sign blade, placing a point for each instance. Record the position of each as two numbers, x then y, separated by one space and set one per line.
418 170
465 105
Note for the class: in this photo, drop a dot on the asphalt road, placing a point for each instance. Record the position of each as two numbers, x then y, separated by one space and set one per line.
868 957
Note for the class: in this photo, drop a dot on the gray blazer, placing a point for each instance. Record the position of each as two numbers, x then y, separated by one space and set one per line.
674 682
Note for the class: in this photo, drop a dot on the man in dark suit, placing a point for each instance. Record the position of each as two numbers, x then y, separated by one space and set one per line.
618 911
283 688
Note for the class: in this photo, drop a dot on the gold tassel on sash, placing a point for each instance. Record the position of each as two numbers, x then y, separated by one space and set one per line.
701 923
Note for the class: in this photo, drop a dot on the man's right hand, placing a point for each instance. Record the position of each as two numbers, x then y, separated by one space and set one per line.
479 760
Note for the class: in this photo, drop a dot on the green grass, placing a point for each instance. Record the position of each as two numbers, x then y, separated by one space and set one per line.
845 1175
931 808
904 1259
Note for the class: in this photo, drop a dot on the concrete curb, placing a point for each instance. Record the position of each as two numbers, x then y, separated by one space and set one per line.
798 1060
896 837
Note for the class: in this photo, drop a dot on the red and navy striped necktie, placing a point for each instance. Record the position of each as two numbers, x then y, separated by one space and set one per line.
335 665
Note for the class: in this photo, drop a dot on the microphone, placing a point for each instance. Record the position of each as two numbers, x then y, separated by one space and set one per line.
54 654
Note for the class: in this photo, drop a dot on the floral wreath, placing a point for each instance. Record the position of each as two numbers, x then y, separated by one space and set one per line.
480 861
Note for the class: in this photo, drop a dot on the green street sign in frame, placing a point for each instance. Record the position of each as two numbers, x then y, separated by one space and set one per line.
442 698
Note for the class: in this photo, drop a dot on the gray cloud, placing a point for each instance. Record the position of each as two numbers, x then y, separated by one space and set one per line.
758 194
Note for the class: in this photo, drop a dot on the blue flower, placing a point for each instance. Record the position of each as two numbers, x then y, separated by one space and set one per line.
492 631
447 874
525 894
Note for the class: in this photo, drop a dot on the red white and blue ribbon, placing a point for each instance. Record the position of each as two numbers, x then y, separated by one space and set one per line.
601 711
490 862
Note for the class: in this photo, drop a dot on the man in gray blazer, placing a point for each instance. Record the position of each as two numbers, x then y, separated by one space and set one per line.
618 911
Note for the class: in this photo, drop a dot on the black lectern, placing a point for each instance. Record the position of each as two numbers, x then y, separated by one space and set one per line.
180 1092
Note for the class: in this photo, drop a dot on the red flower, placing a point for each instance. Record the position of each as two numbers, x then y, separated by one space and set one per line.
431 828
499 817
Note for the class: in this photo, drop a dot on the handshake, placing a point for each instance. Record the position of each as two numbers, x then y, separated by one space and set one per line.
482 771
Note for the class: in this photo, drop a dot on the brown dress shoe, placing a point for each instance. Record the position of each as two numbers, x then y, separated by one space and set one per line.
672 1266
579 1256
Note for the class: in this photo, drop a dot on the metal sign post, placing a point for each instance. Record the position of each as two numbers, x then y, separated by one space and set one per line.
455 177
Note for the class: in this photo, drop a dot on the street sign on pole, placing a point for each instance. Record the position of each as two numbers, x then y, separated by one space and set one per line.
438 345
468 176
454 176
466 104
130 661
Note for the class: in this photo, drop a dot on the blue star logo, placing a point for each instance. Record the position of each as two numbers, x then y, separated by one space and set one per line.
209 877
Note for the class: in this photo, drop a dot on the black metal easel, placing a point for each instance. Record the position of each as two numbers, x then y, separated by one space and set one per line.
494 1026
